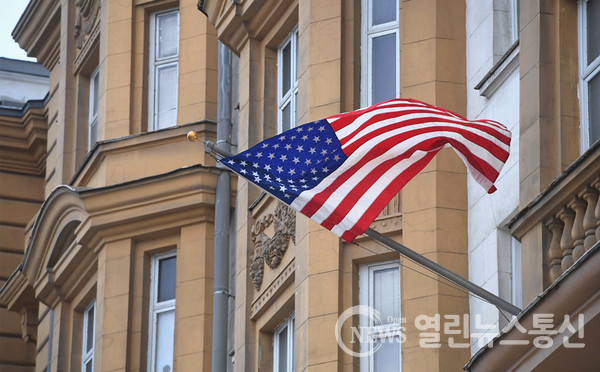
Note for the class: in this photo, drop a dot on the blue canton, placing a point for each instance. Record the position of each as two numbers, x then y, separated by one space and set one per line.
291 162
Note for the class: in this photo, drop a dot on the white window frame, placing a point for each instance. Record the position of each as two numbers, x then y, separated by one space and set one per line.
86 357
587 71
290 97
155 306
93 101
368 34
289 323
155 65
366 297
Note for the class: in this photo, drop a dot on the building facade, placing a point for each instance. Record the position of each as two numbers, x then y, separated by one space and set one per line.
116 240
113 261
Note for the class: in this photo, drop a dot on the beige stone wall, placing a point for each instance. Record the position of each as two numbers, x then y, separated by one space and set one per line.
22 143
146 193
430 215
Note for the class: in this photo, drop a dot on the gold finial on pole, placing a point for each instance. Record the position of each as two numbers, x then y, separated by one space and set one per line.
192 136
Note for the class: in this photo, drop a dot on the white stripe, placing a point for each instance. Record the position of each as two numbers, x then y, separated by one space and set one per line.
391 122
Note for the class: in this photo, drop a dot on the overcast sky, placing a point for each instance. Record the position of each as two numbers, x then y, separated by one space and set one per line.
10 12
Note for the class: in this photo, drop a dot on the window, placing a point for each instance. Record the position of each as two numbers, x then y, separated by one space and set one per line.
162 311
287 83
283 346
89 324
589 68
93 109
517 288
164 69
380 56
379 288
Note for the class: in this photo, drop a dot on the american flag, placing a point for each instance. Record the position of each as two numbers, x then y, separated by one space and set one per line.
342 171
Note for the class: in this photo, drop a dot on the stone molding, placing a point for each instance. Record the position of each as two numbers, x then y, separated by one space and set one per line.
270 250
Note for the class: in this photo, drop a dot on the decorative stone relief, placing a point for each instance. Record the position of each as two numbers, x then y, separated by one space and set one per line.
270 250
87 12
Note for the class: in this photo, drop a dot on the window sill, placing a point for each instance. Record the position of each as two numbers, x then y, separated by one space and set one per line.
500 71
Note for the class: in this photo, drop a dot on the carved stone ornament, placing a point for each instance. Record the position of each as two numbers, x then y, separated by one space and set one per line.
87 12
270 250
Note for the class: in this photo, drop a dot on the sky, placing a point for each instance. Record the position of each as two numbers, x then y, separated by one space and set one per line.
10 13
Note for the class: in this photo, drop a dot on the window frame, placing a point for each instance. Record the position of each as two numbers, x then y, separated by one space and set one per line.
367 35
289 322
291 96
88 356
155 65
93 101
587 71
366 297
155 307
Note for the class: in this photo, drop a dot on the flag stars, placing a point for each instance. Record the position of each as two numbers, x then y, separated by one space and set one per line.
267 167
300 148
312 150
276 146
313 171
321 128
292 138
283 158
282 188
265 145
308 162
278 180
325 170
310 129
324 152
271 156
304 137
259 155
288 146
282 138
316 139
243 171
292 171
328 141
336 157
296 160
279 169
243 163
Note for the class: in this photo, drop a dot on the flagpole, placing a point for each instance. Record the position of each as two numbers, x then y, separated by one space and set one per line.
444 273
405 251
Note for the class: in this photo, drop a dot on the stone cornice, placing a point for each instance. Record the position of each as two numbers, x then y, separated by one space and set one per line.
23 141
38 31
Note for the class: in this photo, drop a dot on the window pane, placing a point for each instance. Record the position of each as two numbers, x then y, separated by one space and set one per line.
165 331
93 133
95 84
89 366
283 346
166 92
167 271
593 25
387 357
386 294
384 68
292 346
285 118
90 329
286 68
384 11
167 35
594 107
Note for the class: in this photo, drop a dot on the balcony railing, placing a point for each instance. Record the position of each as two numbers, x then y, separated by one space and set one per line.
569 212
